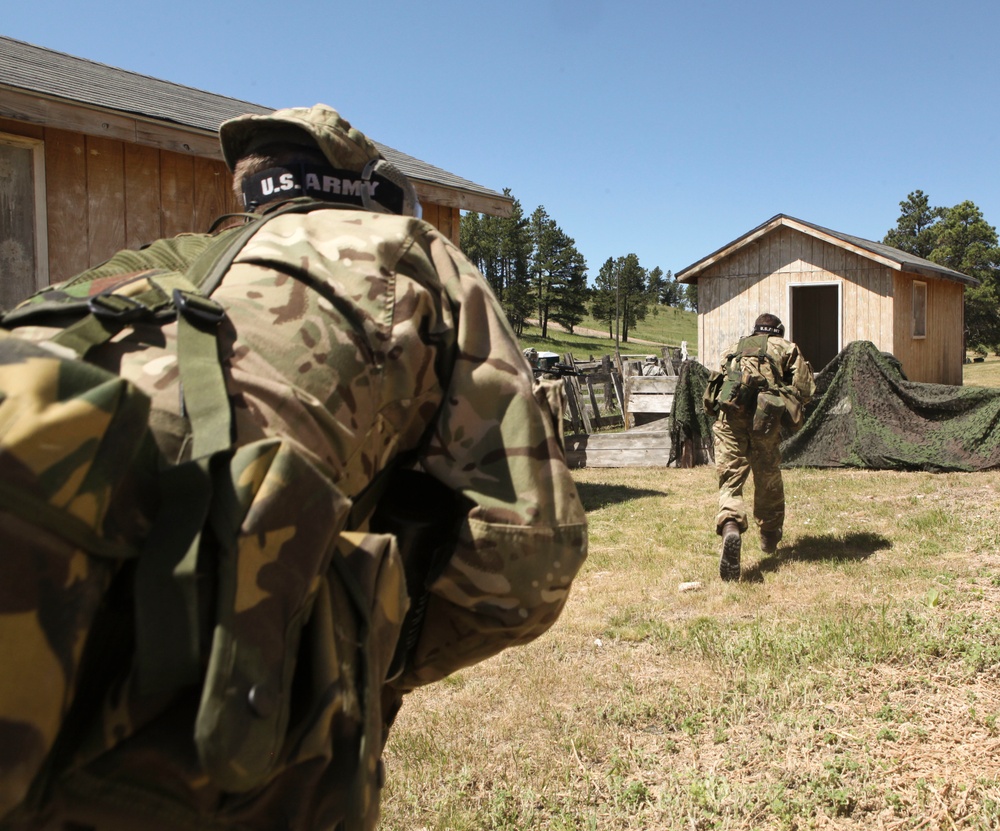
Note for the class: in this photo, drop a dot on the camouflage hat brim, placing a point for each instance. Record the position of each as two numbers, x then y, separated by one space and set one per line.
345 147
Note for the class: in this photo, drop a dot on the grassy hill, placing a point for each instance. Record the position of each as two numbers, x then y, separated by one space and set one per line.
666 326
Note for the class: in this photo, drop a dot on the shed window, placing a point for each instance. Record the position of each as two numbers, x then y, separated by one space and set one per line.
23 258
919 310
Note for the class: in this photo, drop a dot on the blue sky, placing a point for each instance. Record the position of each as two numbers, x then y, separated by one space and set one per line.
661 128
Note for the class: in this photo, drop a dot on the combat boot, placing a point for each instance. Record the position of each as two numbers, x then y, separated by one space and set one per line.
729 565
769 541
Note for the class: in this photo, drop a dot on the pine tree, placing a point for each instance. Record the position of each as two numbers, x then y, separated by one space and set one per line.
558 273
671 292
961 239
633 294
604 297
966 242
621 296
570 286
915 230
500 247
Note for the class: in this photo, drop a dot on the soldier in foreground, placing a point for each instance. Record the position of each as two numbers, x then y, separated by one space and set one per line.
350 485
762 387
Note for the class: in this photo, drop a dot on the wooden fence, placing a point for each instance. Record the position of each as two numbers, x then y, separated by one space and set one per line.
619 407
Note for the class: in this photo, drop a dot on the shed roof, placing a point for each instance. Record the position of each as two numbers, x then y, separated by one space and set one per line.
881 253
47 73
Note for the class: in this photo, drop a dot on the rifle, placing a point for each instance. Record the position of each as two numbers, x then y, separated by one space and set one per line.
558 370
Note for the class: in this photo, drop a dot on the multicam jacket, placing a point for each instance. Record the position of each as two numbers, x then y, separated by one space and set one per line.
358 339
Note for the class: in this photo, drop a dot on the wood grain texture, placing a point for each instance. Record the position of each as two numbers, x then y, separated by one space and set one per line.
66 203
105 198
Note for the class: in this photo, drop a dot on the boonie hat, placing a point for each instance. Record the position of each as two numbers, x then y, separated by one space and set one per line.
344 147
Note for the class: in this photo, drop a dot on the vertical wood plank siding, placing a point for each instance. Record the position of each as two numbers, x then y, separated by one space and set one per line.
103 194
142 195
938 357
444 218
877 302
176 195
66 203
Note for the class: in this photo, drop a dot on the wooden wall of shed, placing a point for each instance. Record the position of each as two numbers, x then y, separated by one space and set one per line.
756 278
445 219
938 357
103 194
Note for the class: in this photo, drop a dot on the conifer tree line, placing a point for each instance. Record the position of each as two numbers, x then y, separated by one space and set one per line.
537 273
961 239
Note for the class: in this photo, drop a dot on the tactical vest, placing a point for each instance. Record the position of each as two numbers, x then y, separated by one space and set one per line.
218 582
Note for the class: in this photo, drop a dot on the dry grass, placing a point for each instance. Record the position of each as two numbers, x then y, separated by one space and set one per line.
985 374
850 681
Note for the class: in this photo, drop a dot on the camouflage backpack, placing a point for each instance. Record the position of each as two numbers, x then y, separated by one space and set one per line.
749 385
131 599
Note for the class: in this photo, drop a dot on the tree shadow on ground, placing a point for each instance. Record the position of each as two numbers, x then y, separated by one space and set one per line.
594 496
849 548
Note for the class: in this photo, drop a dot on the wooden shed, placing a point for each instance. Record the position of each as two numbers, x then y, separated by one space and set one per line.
830 289
94 159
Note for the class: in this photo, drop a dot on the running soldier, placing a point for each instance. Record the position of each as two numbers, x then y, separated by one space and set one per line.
763 386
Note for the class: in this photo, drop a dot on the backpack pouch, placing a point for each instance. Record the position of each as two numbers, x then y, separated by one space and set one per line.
287 519
276 519
767 415
76 467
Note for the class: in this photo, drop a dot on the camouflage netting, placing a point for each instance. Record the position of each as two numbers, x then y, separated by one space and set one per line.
690 428
866 414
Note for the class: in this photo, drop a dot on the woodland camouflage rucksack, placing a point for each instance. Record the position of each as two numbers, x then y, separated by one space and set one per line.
131 599
749 385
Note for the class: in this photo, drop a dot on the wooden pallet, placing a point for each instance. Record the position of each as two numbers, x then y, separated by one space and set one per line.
648 446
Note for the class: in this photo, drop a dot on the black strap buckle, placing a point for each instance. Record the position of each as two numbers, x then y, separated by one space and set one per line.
116 307
197 308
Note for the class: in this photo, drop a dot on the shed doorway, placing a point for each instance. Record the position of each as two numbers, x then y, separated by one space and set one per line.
815 321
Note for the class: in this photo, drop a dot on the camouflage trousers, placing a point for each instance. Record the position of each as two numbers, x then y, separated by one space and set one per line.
738 452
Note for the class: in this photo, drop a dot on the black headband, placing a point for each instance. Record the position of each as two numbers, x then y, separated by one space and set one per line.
320 182
778 330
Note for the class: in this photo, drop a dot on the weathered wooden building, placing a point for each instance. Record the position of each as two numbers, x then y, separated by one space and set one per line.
830 289
94 159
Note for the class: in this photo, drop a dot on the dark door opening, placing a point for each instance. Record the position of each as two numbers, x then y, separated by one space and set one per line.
815 323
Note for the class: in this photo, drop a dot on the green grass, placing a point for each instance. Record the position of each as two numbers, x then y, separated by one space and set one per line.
985 374
849 681
667 326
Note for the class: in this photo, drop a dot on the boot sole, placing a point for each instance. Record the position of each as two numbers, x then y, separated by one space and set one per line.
729 565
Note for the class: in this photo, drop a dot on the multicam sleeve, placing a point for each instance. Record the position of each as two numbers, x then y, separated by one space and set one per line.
497 442
802 376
